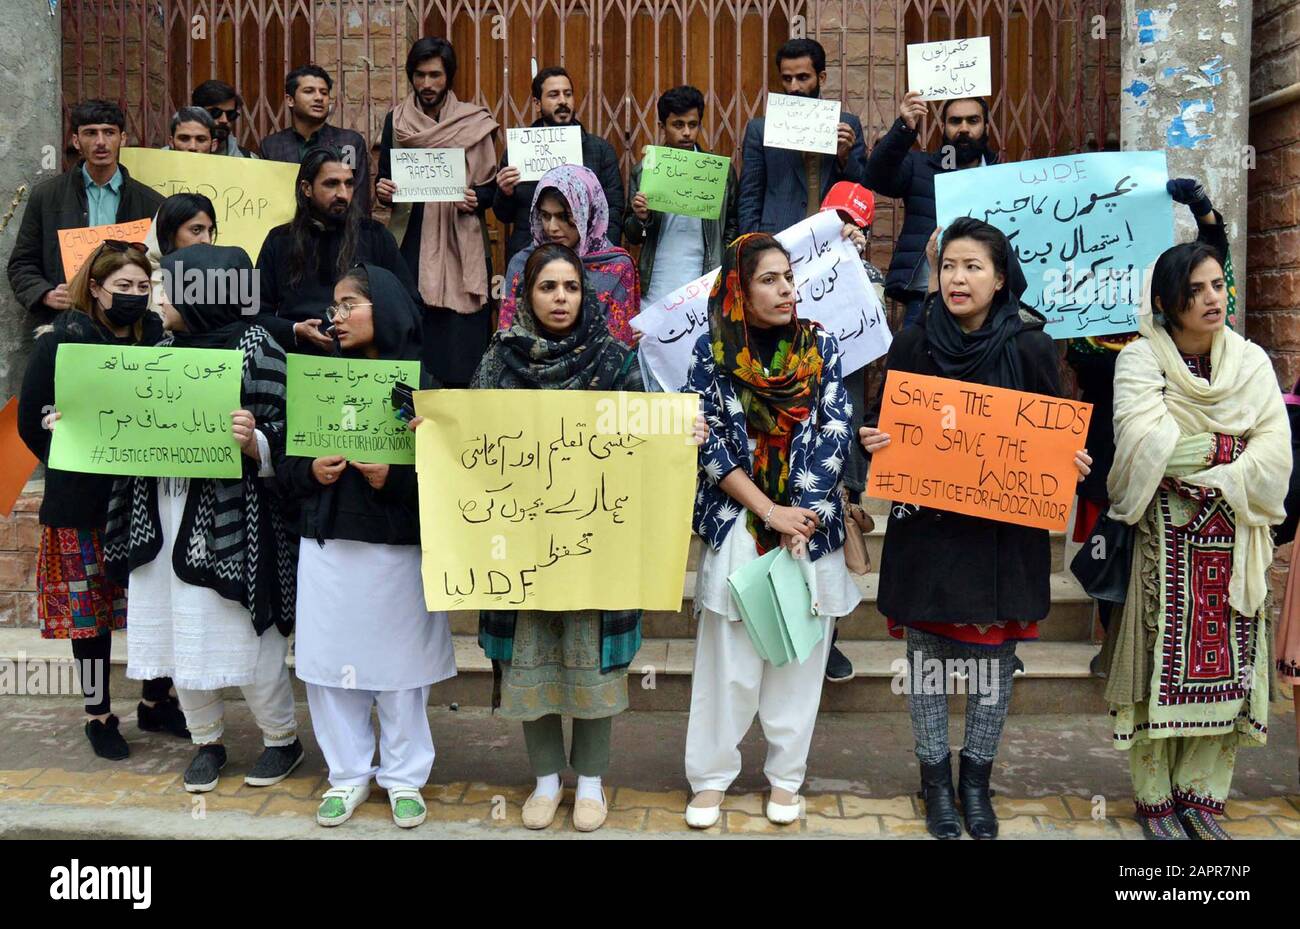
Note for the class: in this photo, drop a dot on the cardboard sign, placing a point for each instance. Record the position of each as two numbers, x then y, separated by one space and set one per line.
16 461
429 175
251 195
833 289
688 183
555 499
343 406
534 150
1084 227
949 70
805 124
147 412
76 245
983 451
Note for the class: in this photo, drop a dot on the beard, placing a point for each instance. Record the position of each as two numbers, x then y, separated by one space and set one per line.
814 94
969 150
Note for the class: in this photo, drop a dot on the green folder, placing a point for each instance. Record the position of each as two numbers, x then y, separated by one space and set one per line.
773 598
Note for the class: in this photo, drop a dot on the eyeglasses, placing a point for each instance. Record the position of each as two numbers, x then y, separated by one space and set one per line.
217 112
338 312
117 245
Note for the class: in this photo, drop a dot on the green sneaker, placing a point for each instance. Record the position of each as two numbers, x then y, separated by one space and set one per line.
340 803
408 806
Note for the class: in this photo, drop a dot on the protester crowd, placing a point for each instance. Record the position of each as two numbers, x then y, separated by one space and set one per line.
1187 464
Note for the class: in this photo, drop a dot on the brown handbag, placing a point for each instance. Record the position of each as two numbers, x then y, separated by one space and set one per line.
857 523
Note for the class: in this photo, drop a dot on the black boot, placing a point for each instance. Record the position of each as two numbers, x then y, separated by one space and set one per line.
940 804
976 799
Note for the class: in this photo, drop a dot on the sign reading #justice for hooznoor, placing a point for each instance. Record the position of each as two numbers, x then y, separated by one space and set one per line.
983 451
554 500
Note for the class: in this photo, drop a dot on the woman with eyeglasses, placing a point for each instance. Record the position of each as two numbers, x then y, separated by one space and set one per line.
210 562
365 639
74 600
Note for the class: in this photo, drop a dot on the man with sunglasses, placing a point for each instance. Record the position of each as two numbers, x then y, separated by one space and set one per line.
94 192
225 107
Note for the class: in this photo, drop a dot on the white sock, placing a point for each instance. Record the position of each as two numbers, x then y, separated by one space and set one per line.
589 789
548 786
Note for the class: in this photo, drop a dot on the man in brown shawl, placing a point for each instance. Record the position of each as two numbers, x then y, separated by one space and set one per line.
445 244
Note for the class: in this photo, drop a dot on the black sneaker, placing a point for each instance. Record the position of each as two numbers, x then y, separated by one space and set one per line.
105 740
275 765
204 771
838 667
167 716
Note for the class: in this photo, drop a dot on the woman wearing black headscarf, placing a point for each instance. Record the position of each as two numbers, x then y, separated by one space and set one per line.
365 638
963 587
210 562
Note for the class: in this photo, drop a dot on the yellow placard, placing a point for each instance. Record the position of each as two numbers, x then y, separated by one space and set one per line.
251 195
555 500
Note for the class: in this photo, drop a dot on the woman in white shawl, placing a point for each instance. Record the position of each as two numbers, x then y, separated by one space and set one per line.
1202 456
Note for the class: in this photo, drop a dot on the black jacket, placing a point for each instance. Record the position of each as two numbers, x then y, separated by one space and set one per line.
894 170
72 500
35 264
597 155
350 508
284 303
946 567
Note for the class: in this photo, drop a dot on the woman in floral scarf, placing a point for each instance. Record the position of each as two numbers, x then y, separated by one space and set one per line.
778 415
569 208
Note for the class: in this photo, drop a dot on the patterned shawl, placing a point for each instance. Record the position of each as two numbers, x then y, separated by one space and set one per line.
588 358
777 398
609 269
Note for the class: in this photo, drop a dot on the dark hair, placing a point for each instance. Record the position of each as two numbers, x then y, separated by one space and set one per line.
680 101
97 112
1171 282
803 48
191 114
991 237
294 77
431 47
943 109
545 75
750 252
302 240
359 276
544 255
176 211
212 93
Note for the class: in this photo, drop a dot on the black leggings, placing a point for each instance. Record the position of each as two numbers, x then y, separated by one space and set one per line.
92 656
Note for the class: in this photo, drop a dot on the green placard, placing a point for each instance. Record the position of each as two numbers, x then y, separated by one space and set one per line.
690 183
148 412
343 406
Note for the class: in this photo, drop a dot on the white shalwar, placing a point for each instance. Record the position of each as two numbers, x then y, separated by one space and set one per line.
365 639
731 683
204 642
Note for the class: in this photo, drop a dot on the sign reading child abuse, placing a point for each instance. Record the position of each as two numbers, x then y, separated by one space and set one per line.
146 412
76 245
983 451
429 175
554 500
343 406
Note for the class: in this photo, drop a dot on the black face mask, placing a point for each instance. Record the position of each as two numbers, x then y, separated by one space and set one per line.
127 309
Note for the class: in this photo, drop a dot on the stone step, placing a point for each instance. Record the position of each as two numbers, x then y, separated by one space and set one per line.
1070 619
1055 679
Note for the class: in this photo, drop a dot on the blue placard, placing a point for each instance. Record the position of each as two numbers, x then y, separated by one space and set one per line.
1085 228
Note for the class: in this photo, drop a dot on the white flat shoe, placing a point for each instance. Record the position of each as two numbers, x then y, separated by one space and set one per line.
339 803
413 812
783 814
703 817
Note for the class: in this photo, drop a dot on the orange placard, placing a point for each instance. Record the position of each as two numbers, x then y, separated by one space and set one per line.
983 451
76 244
16 462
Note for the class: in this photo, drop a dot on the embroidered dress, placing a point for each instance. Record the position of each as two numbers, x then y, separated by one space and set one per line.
75 600
555 668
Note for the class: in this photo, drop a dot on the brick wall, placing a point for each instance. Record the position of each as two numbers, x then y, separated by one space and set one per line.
19 533
1273 212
